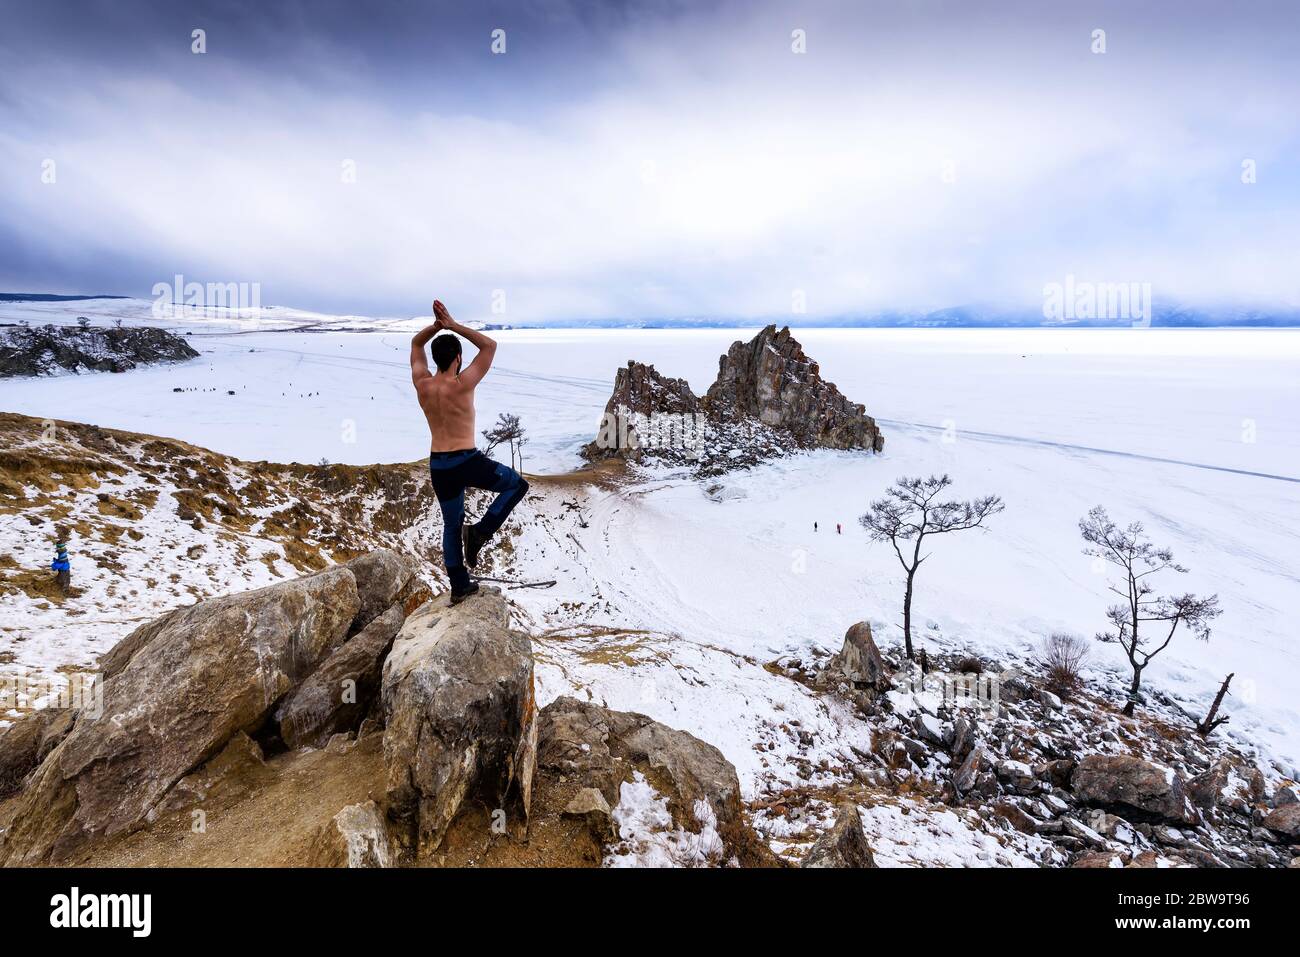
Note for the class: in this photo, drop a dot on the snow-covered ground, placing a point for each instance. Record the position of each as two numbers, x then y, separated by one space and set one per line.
1192 432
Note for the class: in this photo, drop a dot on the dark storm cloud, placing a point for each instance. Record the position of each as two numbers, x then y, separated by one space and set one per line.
650 158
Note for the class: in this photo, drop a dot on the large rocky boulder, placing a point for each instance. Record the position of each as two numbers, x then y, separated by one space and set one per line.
591 747
844 845
175 692
460 719
1132 787
771 379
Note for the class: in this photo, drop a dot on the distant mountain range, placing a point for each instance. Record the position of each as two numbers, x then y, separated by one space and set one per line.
954 317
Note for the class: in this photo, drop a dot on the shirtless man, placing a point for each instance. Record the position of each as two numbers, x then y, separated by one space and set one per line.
447 398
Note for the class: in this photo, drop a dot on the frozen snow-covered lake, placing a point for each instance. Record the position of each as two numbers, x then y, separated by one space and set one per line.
1203 423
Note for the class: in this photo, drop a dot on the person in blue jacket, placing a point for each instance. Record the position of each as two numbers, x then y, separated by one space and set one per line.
61 564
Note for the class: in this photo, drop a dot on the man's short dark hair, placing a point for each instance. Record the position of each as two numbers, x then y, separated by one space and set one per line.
445 350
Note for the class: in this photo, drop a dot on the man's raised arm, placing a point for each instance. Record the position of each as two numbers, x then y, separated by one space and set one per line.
420 355
486 345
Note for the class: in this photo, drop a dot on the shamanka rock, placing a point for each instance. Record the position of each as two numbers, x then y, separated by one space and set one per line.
769 399
771 379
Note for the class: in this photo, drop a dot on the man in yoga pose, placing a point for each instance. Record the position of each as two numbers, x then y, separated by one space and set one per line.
447 398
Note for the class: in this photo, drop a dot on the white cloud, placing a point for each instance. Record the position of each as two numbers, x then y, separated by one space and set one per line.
715 174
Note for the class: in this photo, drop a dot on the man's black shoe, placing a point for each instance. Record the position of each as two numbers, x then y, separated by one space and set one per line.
459 596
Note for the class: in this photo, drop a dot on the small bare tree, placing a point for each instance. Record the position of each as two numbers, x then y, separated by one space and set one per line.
911 511
1138 559
507 431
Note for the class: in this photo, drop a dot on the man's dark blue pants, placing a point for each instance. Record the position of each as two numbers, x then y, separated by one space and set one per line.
452 473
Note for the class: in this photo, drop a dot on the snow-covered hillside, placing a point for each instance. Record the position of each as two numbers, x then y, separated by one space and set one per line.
673 600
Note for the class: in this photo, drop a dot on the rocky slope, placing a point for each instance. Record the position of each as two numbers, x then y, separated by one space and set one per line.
769 399
159 524
1088 786
47 350
445 760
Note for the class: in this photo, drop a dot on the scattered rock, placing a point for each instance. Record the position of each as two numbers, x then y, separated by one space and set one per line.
1098 859
844 845
1017 776
1132 786
590 806
858 662
593 747
964 737
1285 822
357 836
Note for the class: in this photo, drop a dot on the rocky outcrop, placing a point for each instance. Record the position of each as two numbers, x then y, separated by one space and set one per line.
461 720
1138 787
590 747
844 845
771 379
858 664
45 350
769 399
177 692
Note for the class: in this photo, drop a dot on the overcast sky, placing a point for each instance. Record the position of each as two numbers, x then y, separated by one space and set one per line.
644 159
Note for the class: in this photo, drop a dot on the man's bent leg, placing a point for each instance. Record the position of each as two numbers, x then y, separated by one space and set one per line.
510 486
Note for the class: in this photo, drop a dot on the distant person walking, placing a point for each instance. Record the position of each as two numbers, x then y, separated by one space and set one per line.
838 529
447 400
814 526
61 565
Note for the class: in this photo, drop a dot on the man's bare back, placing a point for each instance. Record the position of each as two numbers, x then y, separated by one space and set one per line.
446 396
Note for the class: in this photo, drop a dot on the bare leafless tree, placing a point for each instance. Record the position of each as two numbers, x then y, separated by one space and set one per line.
510 432
909 513
1138 559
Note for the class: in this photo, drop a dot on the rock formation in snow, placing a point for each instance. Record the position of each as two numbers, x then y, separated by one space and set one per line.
46 350
769 399
771 379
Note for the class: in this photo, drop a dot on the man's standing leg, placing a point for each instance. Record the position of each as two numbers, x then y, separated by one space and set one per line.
453 518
